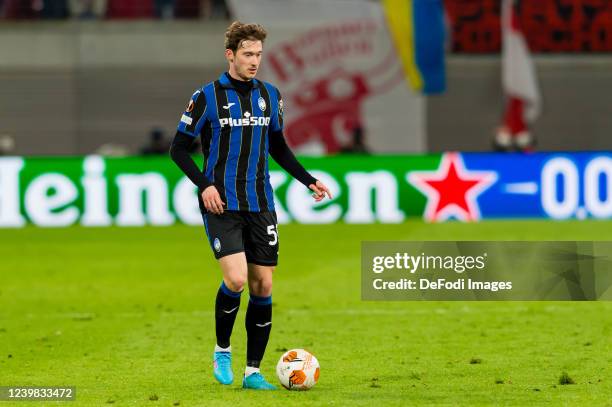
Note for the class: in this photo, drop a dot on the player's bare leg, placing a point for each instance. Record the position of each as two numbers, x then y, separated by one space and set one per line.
258 324
234 268
235 271
260 279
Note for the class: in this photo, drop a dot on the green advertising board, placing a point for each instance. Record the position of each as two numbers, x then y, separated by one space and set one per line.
136 191
133 191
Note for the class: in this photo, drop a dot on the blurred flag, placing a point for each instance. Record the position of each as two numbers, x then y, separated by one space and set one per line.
519 82
417 28
340 74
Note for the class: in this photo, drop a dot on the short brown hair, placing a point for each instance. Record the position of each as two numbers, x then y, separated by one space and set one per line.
238 32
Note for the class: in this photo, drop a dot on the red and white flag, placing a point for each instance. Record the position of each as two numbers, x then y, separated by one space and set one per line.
523 102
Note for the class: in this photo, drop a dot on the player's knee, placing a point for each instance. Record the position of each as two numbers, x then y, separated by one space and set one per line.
266 289
263 287
236 283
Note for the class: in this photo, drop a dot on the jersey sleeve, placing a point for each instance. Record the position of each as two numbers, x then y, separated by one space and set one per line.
277 119
194 116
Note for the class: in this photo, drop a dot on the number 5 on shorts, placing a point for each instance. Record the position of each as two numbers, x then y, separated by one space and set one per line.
272 230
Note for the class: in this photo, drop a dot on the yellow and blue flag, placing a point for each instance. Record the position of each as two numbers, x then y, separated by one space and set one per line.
418 31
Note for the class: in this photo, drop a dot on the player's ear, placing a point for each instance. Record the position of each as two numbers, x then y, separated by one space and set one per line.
229 55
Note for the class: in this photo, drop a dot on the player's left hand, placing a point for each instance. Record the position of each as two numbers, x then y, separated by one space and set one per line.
320 190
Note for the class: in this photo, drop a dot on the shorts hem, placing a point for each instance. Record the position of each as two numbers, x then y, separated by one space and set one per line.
221 255
263 262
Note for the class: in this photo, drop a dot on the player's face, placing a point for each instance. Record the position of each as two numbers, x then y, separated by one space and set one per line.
244 63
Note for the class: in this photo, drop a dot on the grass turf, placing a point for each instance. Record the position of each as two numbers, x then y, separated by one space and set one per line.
125 315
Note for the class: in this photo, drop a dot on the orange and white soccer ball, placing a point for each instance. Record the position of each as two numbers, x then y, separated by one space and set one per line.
298 369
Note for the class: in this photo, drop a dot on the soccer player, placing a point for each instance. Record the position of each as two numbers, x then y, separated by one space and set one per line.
240 120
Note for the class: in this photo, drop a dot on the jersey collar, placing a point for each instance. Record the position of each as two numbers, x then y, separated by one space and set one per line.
226 83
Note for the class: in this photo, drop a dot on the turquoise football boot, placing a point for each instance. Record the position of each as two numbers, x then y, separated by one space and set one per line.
222 365
256 381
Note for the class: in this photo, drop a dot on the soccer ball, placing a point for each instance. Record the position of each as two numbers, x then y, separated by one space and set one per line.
297 369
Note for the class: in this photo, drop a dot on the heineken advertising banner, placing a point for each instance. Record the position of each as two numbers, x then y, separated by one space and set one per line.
135 191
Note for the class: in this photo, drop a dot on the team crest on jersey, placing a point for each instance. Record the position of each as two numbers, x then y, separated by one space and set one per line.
261 103
217 245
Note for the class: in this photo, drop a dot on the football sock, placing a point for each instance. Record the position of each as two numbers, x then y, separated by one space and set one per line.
226 309
220 349
258 326
250 370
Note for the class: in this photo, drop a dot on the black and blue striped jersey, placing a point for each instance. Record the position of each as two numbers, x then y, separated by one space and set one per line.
235 128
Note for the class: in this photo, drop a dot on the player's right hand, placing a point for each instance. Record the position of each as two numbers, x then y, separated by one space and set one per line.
212 200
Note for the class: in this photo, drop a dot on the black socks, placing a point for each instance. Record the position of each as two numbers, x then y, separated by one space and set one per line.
258 326
258 322
226 309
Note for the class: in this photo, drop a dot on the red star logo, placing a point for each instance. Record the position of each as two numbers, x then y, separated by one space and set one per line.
451 190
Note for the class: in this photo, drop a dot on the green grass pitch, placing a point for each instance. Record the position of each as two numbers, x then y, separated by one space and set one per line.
125 315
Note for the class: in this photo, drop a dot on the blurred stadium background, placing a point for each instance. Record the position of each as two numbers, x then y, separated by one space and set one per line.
79 75
358 77
411 111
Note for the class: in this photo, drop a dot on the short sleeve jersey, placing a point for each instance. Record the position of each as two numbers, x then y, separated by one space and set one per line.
235 131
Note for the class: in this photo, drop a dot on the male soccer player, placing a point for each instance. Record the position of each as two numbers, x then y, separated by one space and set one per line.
240 120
